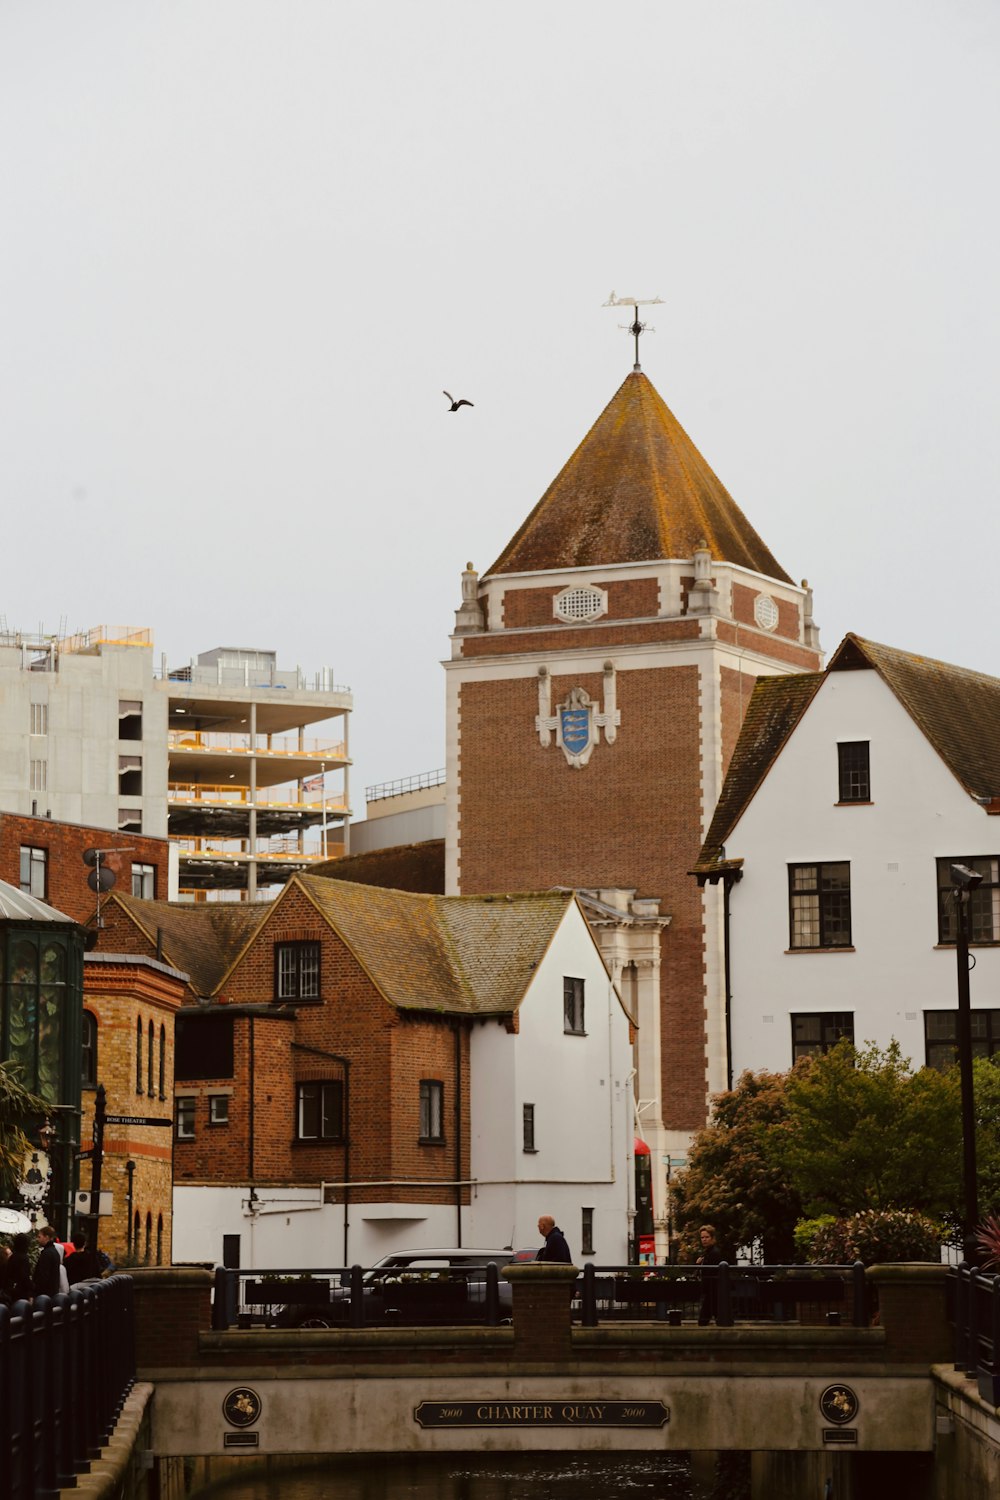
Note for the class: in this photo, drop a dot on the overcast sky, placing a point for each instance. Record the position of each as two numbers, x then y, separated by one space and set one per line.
246 243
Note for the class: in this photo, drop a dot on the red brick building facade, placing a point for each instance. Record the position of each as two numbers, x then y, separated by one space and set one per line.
45 857
600 672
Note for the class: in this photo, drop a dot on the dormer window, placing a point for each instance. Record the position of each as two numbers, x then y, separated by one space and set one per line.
580 603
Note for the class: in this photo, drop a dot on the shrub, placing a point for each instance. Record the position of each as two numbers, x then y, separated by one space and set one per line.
875 1235
988 1239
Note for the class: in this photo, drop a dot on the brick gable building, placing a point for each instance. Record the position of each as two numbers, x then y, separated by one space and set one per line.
599 676
353 1068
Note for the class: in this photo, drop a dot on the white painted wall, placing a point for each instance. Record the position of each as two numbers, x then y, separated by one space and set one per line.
919 812
582 1092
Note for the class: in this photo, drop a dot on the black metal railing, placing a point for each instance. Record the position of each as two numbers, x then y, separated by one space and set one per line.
350 1297
975 1314
724 1294
67 1364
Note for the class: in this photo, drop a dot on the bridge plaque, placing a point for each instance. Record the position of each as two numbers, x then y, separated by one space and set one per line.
549 1412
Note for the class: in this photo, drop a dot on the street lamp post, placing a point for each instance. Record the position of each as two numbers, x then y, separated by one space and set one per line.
964 882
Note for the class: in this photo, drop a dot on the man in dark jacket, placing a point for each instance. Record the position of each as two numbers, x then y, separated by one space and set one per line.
710 1255
82 1264
48 1263
15 1277
555 1247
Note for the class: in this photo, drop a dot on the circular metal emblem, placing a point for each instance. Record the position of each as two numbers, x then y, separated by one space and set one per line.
241 1408
765 612
839 1404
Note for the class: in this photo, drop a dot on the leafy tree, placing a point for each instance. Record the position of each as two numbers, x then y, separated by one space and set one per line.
735 1179
18 1110
864 1132
986 1093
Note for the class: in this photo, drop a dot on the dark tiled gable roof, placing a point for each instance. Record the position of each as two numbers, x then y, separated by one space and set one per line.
200 939
776 706
403 867
635 490
958 711
474 955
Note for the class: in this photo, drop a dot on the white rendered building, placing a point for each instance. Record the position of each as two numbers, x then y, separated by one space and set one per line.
850 794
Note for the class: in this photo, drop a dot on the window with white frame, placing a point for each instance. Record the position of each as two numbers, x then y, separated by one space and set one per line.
218 1109
319 1110
184 1116
144 882
34 871
39 718
528 1126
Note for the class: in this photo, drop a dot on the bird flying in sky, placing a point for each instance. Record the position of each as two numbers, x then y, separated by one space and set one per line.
456 404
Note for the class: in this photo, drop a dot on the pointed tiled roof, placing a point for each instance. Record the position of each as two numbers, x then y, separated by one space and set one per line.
475 955
199 939
635 490
957 710
776 706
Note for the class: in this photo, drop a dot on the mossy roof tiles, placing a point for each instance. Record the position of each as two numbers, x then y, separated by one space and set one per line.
474 955
635 490
200 939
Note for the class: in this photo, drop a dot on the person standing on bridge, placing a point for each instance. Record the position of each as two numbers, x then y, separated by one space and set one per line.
555 1247
710 1255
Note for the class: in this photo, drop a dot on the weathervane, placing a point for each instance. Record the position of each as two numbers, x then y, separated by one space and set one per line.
635 327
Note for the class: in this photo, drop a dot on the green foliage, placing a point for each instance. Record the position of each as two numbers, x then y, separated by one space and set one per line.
986 1094
864 1132
734 1179
806 1231
19 1110
873 1236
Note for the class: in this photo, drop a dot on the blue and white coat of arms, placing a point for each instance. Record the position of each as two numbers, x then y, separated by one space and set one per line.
577 722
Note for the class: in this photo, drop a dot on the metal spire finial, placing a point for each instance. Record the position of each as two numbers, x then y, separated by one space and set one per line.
635 327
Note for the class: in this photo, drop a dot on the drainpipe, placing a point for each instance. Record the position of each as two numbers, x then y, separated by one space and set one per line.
130 1169
345 1063
458 1132
251 1112
727 886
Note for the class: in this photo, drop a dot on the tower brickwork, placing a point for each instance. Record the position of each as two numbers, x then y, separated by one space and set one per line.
594 698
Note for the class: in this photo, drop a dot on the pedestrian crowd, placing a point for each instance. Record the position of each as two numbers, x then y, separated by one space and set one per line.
60 1264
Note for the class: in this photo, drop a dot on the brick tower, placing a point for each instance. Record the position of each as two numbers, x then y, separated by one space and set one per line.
600 671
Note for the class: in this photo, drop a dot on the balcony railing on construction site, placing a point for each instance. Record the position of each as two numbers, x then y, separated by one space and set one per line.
246 675
385 789
290 747
278 851
296 798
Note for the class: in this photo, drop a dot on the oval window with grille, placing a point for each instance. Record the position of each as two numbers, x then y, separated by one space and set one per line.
581 604
765 612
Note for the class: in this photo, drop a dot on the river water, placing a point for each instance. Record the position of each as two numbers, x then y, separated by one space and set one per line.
535 1476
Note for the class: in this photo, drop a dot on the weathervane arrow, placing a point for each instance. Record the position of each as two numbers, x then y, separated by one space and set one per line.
635 327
